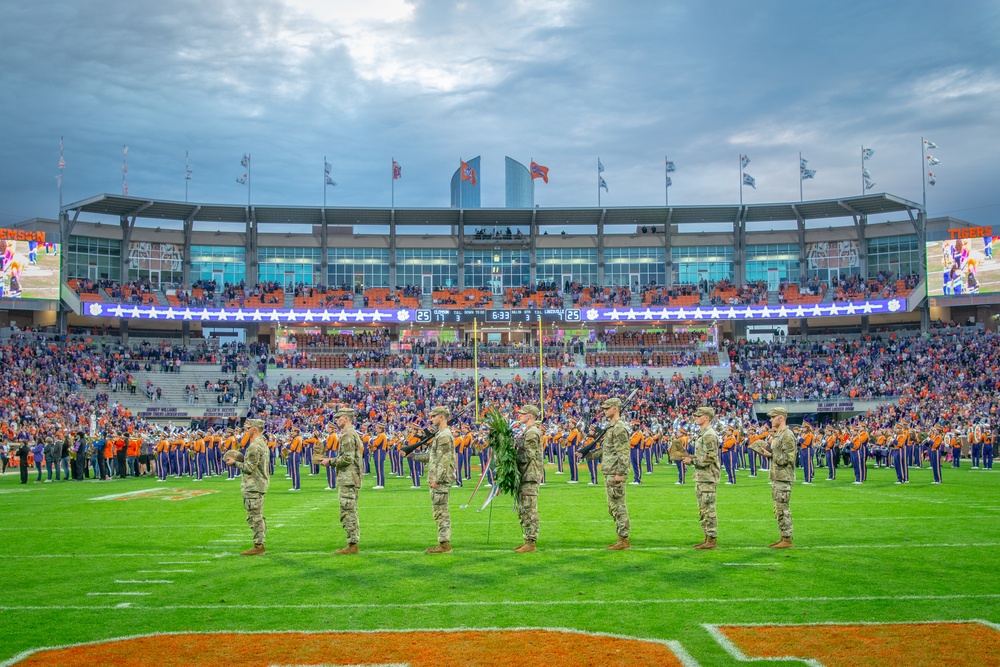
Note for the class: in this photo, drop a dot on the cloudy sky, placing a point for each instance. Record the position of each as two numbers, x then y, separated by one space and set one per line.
560 81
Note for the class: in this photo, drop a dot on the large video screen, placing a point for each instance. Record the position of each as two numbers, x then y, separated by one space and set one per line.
962 267
29 265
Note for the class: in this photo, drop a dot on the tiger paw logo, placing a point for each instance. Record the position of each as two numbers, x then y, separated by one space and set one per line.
95 309
894 305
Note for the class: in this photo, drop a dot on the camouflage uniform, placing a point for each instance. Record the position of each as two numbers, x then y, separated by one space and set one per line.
782 477
614 455
441 469
529 464
254 485
706 478
348 465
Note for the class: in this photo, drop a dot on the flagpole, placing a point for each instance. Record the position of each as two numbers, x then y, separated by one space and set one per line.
541 371
598 182
187 174
324 181
460 188
532 179
62 165
923 171
248 180
800 176
392 182
741 180
666 186
862 169
475 362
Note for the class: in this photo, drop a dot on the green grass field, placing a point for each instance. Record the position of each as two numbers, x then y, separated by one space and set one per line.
79 570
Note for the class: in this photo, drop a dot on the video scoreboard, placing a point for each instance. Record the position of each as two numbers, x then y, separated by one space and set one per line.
495 316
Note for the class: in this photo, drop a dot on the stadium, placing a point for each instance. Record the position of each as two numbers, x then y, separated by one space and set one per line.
142 337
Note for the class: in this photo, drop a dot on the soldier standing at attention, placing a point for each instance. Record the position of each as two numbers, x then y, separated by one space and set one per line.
706 474
529 463
441 470
615 465
348 464
782 456
256 479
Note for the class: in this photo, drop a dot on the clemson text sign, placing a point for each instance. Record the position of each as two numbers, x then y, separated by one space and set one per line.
511 648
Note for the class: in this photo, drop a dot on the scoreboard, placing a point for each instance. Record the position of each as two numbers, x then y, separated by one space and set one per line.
494 316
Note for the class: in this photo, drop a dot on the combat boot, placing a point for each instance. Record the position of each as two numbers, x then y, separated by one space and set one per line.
621 545
349 549
783 543
258 549
707 545
699 545
526 548
443 548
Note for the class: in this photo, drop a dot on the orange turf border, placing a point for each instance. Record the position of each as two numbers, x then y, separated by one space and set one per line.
513 647
914 644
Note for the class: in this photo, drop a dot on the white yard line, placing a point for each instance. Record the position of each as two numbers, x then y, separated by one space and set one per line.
531 603
161 571
135 593
593 549
144 581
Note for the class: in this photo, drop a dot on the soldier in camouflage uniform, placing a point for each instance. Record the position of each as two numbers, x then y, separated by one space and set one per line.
782 455
614 454
256 479
706 474
348 465
442 467
529 464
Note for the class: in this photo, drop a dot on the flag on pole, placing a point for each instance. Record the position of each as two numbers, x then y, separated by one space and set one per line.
601 183
468 173
930 144
808 173
744 161
933 161
669 181
869 184
327 167
866 174
245 163
600 167
671 167
866 153
538 171
749 180
931 178
397 171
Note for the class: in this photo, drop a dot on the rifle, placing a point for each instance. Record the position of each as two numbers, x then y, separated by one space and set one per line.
600 433
428 434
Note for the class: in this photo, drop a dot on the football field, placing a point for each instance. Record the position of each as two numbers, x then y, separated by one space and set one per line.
881 574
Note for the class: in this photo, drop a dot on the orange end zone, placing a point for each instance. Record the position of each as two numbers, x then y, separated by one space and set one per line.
521 648
913 645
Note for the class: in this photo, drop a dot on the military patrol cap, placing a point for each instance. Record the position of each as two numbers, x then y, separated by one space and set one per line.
254 423
611 403
778 412
440 410
345 412
529 410
705 411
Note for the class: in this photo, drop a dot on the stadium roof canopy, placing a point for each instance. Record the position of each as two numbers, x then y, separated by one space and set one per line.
122 206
